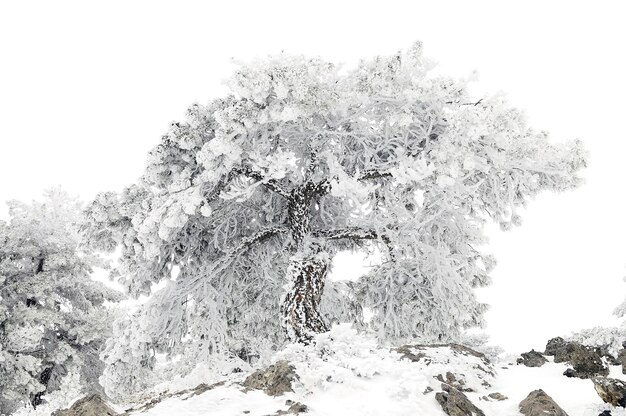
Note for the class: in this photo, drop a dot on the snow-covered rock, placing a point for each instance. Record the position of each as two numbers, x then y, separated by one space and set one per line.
274 380
610 390
532 358
587 361
93 405
455 403
538 403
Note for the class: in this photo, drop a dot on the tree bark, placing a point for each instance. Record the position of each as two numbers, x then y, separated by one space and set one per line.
300 308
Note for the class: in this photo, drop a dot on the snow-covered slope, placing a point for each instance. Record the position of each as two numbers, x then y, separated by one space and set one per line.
347 374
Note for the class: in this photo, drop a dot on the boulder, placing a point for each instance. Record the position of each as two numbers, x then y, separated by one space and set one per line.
610 390
455 403
605 413
586 361
273 380
604 352
554 345
477 373
532 358
93 405
538 403
569 373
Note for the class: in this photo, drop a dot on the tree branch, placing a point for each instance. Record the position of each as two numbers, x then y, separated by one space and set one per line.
245 244
249 241
355 233
373 174
271 184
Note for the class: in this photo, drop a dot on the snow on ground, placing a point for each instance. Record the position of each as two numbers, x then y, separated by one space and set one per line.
221 401
576 396
346 374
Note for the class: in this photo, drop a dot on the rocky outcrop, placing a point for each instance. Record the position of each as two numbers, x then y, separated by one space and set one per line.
604 352
538 403
199 389
274 380
586 361
610 390
418 351
477 373
455 403
532 358
92 405
554 345
456 381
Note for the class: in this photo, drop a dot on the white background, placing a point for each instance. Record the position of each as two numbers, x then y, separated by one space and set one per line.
86 89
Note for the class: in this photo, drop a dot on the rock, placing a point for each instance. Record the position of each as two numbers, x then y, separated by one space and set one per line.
274 380
586 361
186 394
610 390
427 390
621 358
202 388
603 351
477 373
455 381
532 358
414 352
455 403
554 345
605 413
92 405
538 403
295 408
569 373
497 396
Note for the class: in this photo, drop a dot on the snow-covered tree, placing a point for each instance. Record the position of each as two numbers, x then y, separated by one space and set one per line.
252 195
52 323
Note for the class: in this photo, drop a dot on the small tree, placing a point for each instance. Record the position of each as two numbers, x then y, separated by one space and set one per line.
253 195
51 318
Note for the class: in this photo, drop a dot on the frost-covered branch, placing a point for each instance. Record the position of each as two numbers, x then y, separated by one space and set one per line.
271 184
356 233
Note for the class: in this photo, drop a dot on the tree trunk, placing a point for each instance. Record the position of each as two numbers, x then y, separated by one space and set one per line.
300 307
307 270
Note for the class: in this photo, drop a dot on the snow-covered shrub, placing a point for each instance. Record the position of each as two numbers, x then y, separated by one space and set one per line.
611 337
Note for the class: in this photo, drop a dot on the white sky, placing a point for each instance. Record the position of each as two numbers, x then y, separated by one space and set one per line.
86 89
